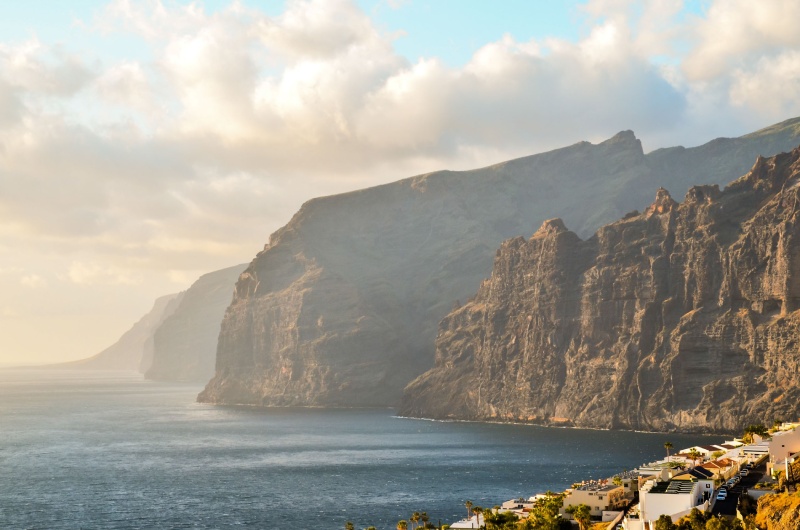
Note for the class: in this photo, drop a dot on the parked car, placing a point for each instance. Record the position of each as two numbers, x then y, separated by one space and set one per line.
744 472
722 495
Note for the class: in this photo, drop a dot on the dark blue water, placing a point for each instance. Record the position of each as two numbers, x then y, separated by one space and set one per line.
88 450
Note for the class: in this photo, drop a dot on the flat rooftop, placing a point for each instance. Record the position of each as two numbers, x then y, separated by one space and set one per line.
597 486
675 487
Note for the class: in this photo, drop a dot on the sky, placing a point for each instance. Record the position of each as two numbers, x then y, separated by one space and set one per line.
144 143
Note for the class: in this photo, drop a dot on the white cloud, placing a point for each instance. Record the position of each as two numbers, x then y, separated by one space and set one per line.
40 69
33 281
770 86
83 273
737 33
127 85
238 117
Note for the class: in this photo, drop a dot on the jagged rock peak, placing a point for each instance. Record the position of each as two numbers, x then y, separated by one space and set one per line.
702 194
770 173
551 227
662 204
625 139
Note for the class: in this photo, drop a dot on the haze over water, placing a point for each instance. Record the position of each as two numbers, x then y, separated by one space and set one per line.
109 450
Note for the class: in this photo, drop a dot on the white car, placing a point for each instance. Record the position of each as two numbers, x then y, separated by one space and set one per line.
722 495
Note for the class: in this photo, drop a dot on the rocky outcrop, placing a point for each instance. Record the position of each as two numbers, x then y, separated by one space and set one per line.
340 309
184 345
779 512
134 349
684 317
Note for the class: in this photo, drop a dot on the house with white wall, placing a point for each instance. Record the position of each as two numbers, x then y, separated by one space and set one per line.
783 444
675 496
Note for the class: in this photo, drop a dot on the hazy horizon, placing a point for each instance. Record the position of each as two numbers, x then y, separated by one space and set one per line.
146 143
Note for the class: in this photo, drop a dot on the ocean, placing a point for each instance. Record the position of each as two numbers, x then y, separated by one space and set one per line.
109 450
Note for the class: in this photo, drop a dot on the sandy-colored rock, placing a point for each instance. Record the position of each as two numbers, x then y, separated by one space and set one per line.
779 512
684 317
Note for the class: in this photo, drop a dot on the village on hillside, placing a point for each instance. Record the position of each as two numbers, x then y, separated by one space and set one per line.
720 480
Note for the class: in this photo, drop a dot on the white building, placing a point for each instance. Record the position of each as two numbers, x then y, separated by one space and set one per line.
782 445
755 450
675 496
476 521
599 496
520 507
518 504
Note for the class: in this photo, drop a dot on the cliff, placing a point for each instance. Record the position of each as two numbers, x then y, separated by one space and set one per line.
683 317
134 349
340 309
184 344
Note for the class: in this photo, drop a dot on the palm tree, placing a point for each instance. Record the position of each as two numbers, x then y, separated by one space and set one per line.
402 525
423 517
414 519
582 514
349 526
668 446
695 455
468 504
477 510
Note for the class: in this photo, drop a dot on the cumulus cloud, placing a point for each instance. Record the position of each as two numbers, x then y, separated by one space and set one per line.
770 86
736 34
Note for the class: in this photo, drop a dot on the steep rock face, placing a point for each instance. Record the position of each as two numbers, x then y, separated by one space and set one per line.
134 349
340 309
685 317
183 346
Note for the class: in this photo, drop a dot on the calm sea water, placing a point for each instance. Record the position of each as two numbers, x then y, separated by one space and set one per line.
109 450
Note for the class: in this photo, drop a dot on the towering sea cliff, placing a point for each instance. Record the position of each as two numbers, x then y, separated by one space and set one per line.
134 349
683 317
341 307
184 344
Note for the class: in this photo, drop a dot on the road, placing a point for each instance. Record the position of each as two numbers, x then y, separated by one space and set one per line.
728 506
